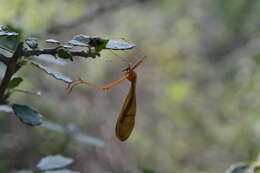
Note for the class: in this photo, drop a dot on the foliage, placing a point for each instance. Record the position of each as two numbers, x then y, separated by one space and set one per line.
22 56
27 115
52 164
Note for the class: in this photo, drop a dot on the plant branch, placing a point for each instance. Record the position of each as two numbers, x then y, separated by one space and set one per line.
10 70
54 51
13 65
4 59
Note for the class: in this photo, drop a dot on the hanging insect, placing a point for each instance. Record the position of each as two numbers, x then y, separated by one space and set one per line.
126 119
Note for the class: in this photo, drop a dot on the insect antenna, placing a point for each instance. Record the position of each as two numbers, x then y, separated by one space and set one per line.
138 49
123 59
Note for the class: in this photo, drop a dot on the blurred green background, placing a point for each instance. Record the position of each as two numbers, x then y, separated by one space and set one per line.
197 92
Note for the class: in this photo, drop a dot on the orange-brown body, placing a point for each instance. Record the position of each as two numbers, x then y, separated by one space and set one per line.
126 119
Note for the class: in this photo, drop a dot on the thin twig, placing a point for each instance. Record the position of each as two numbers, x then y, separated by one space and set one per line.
20 51
54 51
10 70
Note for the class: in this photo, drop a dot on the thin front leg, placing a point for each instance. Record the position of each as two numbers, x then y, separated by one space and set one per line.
80 81
115 83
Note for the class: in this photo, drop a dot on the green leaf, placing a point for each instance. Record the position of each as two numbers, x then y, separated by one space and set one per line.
238 168
14 40
77 43
9 40
32 42
99 44
118 45
64 53
51 72
51 59
36 93
3 33
6 51
14 82
3 28
61 171
53 41
27 115
80 40
54 162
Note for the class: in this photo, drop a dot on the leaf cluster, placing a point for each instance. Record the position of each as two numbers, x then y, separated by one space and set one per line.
17 52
